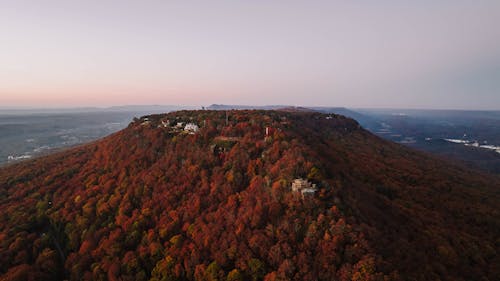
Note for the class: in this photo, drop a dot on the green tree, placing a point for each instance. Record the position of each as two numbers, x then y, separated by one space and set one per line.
256 269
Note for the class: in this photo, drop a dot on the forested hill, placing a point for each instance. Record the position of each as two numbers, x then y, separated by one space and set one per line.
206 195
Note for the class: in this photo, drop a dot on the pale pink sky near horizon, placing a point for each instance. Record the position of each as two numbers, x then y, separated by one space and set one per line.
409 54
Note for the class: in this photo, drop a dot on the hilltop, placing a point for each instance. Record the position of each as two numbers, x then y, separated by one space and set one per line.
207 195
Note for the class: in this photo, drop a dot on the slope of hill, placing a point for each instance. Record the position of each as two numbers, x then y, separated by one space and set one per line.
163 201
27 133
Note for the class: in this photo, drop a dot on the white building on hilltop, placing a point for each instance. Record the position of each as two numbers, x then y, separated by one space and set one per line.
191 128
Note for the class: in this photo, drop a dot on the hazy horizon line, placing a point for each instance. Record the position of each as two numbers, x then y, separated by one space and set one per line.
200 107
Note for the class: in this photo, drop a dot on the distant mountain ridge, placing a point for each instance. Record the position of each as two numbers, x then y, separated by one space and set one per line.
146 109
161 200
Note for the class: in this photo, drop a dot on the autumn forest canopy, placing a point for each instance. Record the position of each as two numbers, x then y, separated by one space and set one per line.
206 195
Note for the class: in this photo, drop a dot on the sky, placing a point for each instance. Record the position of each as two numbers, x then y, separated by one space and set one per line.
388 54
